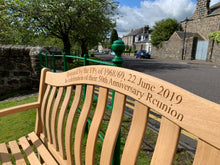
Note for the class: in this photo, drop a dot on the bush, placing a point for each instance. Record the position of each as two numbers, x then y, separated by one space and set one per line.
215 36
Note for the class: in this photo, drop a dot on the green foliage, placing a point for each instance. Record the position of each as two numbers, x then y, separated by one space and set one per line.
17 125
114 36
163 29
82 22
215 36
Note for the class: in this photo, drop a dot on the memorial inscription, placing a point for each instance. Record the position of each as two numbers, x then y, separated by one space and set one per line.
143 89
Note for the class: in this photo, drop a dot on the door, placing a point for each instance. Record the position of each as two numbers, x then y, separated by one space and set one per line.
201 50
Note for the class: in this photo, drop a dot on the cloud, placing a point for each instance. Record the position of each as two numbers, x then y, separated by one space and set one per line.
213 2
152 11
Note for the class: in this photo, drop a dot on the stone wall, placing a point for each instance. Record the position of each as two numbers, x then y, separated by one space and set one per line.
172 49
214 51
203 26
20 67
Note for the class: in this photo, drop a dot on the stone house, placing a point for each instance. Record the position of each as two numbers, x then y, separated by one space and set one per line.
138 39
193 42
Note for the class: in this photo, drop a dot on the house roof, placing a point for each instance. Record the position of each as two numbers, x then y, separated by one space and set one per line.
215 9
137 31
188 35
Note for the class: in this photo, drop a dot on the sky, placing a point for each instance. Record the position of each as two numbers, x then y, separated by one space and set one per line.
135 14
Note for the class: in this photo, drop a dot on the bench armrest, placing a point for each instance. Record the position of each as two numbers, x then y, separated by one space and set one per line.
19 108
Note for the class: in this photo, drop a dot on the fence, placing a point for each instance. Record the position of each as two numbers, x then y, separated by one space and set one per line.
118 47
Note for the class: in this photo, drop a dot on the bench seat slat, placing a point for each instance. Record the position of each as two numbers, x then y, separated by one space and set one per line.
167 143
136 134
112 132
4 155
31 156
16 153
81 124
95 126
42 150
206 154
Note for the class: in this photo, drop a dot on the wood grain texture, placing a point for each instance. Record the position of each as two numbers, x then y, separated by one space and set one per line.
48 113
135 135
42 88
43 109
42 150
185 109
19 108
60 125
69 124
167 142
81 125
4 155
113 129
206 154
95 125
31 156
54 117
16 153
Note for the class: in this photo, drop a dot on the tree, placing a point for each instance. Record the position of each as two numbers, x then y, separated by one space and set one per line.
80 21
162 30
114 36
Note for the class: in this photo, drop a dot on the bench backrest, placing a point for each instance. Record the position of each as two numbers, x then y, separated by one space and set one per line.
179 109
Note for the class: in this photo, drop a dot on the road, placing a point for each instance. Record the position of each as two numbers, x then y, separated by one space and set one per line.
200 78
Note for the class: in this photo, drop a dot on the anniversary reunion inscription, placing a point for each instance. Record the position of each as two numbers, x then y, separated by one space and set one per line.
142 89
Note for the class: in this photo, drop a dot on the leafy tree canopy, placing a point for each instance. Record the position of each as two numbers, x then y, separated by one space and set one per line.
162 30
215 36
80 21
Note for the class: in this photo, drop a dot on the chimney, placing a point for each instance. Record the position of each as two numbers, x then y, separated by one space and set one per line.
202 9
145 29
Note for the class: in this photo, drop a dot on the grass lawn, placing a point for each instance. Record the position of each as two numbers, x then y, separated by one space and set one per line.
17 125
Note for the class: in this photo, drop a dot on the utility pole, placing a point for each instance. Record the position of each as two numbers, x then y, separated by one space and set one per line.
184 39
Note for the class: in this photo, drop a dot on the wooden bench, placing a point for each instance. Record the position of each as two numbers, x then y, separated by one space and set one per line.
52 137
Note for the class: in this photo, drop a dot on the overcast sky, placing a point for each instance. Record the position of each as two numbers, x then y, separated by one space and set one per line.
137 13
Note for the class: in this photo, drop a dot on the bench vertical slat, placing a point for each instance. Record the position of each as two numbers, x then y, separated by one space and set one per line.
54 117
16 152
48 113
95 126
32 158
206 154
69 124
43 108
136 134
167 143
81 124
113 129
4 155
60 126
